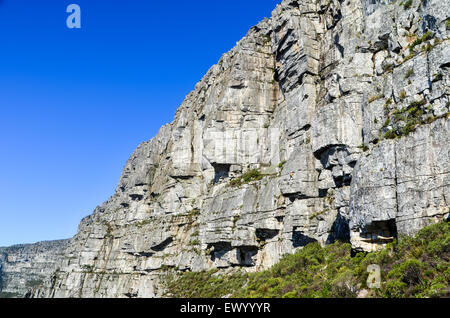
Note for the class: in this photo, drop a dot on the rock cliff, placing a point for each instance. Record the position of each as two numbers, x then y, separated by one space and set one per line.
328 121
25 267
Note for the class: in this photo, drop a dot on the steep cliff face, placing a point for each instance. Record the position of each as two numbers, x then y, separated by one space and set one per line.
25 267
327 121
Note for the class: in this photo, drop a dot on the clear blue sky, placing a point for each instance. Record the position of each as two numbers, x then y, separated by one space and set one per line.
74 104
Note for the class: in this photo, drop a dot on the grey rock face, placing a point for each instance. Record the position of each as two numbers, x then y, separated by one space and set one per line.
24 268
286 141
401 187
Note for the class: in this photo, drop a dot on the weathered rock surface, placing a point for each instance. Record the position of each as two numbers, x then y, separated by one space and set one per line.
327 121
25 267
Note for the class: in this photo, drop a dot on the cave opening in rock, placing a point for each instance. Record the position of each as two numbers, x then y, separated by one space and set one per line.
222 171
380 232
219 250
299 239
266 234
245 256
163 245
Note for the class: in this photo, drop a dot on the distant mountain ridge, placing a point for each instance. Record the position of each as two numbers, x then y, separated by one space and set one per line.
26 266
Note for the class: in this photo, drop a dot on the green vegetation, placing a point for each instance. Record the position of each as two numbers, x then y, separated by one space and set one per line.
447 25
308 140
317 214
267 40
249 176
194 212
281 165
34 283
410 127
388 68
87 268
437 77
410 56
427 48
236 219
413 116
388 102
391 134
415 267
407 4
140 224
195 242
427 36
374 98
364 147
409 73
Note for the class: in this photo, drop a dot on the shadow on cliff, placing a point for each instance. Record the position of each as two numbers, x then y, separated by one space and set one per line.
340 230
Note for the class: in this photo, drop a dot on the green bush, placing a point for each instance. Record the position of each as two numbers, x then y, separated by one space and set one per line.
413 267
390 134
252 175
426 37
249 176
409 128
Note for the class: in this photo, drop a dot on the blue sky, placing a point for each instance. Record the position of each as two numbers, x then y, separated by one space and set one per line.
74 104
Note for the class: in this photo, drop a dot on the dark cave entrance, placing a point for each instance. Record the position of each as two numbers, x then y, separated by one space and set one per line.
219 250
245 256
299 239
383 231
378 232
222 171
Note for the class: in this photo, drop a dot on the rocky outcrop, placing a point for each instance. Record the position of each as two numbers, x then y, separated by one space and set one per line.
25 267
328 121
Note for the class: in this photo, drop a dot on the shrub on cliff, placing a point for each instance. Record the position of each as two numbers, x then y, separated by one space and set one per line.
415 267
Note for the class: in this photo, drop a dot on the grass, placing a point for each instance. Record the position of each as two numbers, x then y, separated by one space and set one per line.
374 98
410 127
414 116
391 134
249 176
426 37
388 102
281 165
402 95
388 68
415 267
409 73
437 77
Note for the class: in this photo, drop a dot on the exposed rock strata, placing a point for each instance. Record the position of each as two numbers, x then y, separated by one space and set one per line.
333 117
